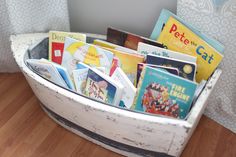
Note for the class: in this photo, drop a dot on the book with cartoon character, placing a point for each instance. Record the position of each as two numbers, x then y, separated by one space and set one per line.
176 35
160 92
77 51
103 88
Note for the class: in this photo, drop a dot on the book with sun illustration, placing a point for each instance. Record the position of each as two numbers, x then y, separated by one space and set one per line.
160 92
77 51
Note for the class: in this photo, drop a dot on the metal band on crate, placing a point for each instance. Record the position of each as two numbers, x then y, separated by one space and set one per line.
102 139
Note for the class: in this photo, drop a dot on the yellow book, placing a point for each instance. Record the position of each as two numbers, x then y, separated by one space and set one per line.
178 37
128 63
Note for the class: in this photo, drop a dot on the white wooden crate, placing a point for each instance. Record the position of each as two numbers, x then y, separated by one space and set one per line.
123 131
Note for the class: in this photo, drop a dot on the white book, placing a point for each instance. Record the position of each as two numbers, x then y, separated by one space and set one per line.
80 76
145 49
103 88
63 72
47 71
129 89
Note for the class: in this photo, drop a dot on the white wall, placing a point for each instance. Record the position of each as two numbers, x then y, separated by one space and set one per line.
136 16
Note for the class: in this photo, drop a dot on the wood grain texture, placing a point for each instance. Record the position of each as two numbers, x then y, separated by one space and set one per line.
25 130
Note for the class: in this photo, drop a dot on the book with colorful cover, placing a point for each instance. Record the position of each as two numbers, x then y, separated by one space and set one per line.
80 76
164 17
145 49
63 72
56 44
129 89
46 70
127 39
77 51
178 37
103 43
186 69
103 88
128 63
160 92
140 67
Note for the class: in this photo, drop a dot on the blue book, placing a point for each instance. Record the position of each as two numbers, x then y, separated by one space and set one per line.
186 69
163 18
160 92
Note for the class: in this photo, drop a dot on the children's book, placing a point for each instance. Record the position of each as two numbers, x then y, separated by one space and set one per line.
164 17
103 88
63 72
160 92
80 76
129 89
145 49
179 37
128 63
77 51
46 70
106 44
127 39
186 69
140 67
56 44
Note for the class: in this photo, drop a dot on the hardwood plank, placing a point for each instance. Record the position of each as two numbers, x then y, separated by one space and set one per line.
25 130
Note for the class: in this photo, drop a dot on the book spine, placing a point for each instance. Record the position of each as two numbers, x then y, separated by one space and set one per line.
139 87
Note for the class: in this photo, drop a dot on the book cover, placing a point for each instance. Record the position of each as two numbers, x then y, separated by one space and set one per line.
77 51
103 88
186 69
140 67
63 72
128 63
46 70
106 44
164 17
129 89
127 39
176 36
80 76
56 44
145 49
163 93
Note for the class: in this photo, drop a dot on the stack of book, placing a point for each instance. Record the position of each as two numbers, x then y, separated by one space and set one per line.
162 75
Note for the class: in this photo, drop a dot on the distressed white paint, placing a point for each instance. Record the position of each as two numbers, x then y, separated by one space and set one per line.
155 133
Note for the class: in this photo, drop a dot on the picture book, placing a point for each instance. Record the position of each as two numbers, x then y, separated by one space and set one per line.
129 89
63 72
56 44
145 49
80 76
178 37
47 71
186 69
128 63
140 67
77 51
127 39
103 88
160 92
164 17
103 43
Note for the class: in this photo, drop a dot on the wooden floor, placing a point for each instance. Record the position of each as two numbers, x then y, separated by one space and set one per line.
25 130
